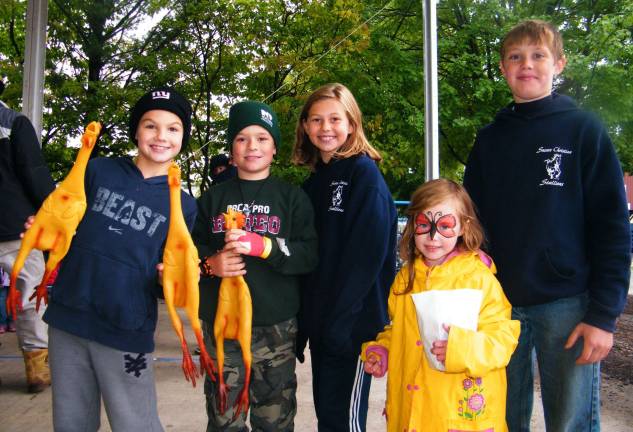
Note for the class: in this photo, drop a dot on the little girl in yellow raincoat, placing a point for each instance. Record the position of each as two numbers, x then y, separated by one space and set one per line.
440 246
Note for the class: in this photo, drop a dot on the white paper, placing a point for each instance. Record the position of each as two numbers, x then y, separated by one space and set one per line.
434 308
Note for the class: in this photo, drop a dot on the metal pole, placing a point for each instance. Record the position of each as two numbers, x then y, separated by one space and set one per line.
431 128
34 56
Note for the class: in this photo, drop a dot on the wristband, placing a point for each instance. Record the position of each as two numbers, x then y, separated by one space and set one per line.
205 267
258 245
268 247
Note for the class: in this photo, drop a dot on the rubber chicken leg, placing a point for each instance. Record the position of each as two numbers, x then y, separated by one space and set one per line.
180 280
55 222
233 320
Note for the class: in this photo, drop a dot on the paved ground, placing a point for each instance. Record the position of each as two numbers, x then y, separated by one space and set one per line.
181 407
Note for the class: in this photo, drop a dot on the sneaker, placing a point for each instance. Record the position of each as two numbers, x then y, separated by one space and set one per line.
11 328
3 328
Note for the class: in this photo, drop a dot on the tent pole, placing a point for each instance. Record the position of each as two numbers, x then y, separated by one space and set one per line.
34 56
431 127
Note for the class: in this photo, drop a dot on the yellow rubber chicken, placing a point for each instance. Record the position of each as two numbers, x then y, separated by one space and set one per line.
55 222
233 320
181 275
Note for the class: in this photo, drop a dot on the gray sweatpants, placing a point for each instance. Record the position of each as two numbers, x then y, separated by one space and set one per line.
83 372
30 328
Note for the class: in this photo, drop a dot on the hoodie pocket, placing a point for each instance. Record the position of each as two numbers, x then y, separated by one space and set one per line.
112 289
557 265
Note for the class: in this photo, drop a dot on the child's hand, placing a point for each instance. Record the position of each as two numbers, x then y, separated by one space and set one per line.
373 365
233 234
247 243
159 269
227 263
27 224
596 343
441 346
377 360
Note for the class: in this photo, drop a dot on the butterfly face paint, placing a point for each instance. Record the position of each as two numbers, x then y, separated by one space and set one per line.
435 223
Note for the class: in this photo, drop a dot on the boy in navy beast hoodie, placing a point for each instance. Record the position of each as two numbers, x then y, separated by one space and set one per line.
549 189
102 313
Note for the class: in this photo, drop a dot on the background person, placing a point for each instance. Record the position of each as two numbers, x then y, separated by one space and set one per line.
24 184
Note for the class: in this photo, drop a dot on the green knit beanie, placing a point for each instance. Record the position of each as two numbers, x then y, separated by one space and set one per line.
248 113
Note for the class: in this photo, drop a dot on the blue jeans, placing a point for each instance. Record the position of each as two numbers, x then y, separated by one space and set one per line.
571 393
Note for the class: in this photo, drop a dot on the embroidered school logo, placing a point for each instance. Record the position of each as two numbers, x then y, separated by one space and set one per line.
553 165
553 170
267 117
134 365
337 196
160 94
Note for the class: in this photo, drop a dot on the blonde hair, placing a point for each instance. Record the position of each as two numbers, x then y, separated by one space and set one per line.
534 31
428 195
306 153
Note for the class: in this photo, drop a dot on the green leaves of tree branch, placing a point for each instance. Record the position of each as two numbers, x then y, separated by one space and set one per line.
99 61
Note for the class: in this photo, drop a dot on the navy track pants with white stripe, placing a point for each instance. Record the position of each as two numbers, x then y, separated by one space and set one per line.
341 392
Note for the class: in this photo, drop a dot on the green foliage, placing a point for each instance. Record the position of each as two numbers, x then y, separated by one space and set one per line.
102 55
12 42
599 73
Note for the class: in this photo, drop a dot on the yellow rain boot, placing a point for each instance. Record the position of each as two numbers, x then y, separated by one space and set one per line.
38 375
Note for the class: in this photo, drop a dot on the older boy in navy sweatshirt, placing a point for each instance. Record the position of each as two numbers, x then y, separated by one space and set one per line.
549 189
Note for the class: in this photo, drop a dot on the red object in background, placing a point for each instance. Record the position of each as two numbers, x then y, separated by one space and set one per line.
628 184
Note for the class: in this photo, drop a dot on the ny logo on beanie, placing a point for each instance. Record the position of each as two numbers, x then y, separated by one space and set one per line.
267 117
160 94
162 98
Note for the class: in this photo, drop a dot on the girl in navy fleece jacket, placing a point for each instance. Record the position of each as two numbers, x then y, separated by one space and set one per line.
345 299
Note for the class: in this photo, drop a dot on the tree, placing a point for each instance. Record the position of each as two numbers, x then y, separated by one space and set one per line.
89 44
249 49
12 41
597 37
216 53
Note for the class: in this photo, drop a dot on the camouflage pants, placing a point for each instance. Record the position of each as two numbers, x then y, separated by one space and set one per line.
272 393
